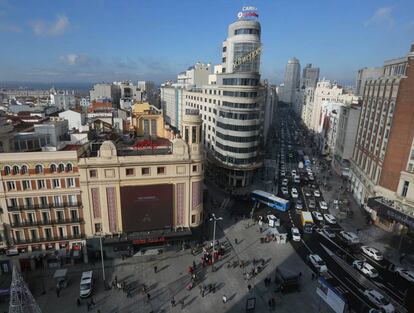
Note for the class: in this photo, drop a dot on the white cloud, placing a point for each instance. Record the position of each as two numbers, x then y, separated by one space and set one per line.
381 16
73 59
56 28
10 29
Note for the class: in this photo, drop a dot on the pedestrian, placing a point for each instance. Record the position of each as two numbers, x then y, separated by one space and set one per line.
88 305
173 302
249 287
57 292
313 276
269 303
78 302
194 265
210 288
300 274
224 299
148 297
155 269
116 280
235 241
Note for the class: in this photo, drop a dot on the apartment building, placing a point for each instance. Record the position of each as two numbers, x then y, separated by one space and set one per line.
383 158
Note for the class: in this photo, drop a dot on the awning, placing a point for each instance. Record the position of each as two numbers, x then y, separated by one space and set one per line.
384 209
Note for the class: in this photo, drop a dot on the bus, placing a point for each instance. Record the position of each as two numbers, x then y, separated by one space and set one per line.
306 161
270 200
307 222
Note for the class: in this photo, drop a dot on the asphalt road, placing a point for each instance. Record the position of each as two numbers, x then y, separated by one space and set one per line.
336 252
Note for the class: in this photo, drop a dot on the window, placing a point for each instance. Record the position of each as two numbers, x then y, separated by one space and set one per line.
24 169
48 233
60 216
73 214
160 170
72 200
56 183
11 185
194 168
38 169
18 235
6 170
28 202
412 155
53 168
193 218
70 182
46 217
69 167
16 170
43 201
61 167
41 184
93 173
145 171
57 200
75 230
31 218
129 172
33 233
98 227
405 189
26 184
61 232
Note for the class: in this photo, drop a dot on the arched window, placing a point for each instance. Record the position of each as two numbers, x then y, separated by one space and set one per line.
39 169
6 170
53 168
69 167
61 167
24 169
16 170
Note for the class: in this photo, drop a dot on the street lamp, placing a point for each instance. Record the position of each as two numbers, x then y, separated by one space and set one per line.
102 258
215 219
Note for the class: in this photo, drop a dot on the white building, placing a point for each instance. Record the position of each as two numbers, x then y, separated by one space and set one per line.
172 104
76 119
64 100
292 80
106 91
196 75
365 74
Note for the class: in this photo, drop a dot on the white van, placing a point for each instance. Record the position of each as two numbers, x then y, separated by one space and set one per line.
86 284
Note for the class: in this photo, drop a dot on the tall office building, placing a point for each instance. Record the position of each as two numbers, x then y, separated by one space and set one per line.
365 74
232 106
310 76
292 80
383 158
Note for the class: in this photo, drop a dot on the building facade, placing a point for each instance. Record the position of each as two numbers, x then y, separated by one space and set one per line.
383 158
310 76
365 74
292 80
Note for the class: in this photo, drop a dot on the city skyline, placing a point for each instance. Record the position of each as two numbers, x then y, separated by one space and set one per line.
158 40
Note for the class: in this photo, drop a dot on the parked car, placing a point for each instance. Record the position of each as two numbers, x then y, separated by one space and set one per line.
365 268
307 193
349 236
295 234
404 273
282 173
323 205
379 300
293 172
372 252
316 193
284 182
298 204
330 218
294 192
285 191
86 284
318 216
312 204
317 263
327 232
296 179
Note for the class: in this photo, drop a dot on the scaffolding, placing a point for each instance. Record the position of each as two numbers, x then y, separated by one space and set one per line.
21 299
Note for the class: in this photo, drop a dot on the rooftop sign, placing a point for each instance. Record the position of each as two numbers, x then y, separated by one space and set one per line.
248 57
248 12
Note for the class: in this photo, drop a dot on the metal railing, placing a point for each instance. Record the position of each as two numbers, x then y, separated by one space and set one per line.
44 206
47 222
48 239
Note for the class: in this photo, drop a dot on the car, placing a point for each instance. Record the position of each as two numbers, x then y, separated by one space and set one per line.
316 193
379 300
317 263
293 172
282 173
365 268
317 216
295 234
327 232
312 204
298 204
323 205
329 218
285 191
86 284
349 236
307 193
372 252
311 177
294 192
296 179
284 182
404 273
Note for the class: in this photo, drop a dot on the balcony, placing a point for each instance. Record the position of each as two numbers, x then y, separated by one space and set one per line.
47 222
49 239
44 206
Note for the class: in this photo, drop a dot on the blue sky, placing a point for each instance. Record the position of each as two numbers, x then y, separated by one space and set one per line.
89 41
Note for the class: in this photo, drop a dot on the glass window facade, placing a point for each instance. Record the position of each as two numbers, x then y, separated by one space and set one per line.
242 49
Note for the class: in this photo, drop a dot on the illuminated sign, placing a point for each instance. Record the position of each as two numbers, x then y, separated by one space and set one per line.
145 144
248 12
248 57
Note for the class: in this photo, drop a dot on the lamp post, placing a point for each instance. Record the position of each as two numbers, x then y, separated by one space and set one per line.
102 258
215 219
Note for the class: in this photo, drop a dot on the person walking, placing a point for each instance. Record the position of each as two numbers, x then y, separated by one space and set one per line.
155 269
249 287
148 297
224 299
235 241
173 302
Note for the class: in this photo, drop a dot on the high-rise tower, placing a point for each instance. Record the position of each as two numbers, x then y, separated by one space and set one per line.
292 80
